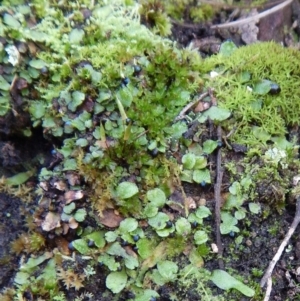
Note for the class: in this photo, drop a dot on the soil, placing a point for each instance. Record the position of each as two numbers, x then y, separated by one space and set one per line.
264 233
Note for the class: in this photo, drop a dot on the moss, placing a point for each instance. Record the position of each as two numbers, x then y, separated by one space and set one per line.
202 13
28 243
106 93
191 10
246 67
7 295
154 15
175 246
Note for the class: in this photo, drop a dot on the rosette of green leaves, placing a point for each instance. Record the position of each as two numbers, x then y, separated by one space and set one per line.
198 215
159 223
158 220
69 212
127 230
166 272
194 166
233 211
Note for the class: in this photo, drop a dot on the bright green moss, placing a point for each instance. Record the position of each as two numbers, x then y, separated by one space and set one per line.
189 9
257 113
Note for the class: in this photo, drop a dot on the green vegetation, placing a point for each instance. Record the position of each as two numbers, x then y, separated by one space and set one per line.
108 91
257 83
158 14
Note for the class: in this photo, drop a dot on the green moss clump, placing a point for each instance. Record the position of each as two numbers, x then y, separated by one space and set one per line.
190 10
153 14
175 246
257 116
201 13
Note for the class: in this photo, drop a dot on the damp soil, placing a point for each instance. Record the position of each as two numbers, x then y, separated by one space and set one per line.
264 232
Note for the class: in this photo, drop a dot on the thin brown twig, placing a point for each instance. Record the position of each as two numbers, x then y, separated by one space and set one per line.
191 104
281 248
239 6
218 200
255 18
223 6
213 99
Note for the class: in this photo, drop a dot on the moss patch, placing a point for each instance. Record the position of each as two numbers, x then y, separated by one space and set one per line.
257 115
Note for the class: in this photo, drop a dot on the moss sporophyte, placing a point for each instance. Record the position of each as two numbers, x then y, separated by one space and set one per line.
114 97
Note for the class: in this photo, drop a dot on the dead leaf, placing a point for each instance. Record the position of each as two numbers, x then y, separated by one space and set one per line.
105 143
60 185
32 48
177 201
62 245
65 228
143 223
202 106
73 195
110 218
51 221
130 252
187 249
202 202
190 203
73 178
72 223
158 254
44 186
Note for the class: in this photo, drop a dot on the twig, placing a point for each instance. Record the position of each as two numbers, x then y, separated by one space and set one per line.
239 6
190 105
284 243
268 290
218 200
255 17
227 136
213 99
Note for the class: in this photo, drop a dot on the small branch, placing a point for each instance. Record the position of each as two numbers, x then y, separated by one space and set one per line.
268 290
284 243
190 105
212 97
218 200
255 18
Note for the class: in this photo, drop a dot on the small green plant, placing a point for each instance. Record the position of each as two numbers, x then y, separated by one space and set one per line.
257 272
238 193
194 11
73 216
45 284
224 281
154 14
194 168
273 229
